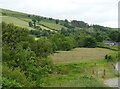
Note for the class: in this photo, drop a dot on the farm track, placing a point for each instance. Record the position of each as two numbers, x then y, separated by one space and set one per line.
114 82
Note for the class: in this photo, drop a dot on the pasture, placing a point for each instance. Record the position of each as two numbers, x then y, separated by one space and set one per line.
52 25
17 21
80 54
81 67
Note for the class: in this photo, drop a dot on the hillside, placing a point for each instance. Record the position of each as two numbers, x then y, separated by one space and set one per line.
44 52
22 19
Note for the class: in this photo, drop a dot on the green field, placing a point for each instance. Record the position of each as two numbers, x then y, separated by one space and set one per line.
22 19
81 67
80 54
16 21
52 25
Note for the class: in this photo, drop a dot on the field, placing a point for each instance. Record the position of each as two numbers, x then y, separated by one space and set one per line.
81 67
52 25
22 19
16 21
80 54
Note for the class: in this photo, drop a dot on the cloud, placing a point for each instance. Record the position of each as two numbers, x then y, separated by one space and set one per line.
103 12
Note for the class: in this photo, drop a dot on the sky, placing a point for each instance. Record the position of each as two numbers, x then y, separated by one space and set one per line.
102 12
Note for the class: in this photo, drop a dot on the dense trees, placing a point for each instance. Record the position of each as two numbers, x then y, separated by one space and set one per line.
90 42
42 47
80 24
21 51
114 35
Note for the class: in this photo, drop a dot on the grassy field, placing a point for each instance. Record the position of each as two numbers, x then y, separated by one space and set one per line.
22 19
16 21
14 13
80 54
81 67
21 22
52 25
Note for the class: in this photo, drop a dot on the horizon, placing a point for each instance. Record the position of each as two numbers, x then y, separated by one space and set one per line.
92 12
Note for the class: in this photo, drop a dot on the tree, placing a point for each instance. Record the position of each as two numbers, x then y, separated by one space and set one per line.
80 24
42 47
66 21
34 22
30 24
90 42
57 21
99 37
114 35
68 43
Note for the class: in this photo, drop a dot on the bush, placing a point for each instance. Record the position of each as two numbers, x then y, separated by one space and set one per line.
16 75
106 56
7 83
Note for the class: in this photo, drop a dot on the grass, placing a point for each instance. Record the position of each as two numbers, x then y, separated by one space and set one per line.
79 75
79 54
16 21
14 13
81 67
22 19
52 25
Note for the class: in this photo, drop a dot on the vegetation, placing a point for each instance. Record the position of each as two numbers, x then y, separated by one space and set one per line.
39 51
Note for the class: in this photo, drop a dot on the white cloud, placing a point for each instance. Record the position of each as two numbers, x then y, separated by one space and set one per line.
103 12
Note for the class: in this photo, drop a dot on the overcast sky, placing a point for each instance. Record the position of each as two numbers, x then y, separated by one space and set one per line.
103 12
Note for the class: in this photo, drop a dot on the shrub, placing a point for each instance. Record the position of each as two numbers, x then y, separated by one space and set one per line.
16 75
7 83
106 56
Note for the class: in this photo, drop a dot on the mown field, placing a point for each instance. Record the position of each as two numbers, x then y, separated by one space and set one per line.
81 67
16 21
22 19
80 54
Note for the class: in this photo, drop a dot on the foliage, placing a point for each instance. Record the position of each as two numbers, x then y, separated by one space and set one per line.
42 47
7 83
22 57
90 42
30 24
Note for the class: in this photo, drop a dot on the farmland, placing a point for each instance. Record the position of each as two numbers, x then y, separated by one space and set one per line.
80 54
80 68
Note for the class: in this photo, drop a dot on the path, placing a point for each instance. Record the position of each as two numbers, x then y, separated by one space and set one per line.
114 81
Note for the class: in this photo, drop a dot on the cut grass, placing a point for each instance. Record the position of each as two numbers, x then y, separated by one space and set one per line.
14 13
16 21
52 25
21 22
79 54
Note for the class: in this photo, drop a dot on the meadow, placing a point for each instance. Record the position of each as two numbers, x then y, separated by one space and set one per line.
79 54
81 67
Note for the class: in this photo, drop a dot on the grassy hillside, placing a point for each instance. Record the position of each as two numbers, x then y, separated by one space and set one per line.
13 13
22 19
16 21
52 25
